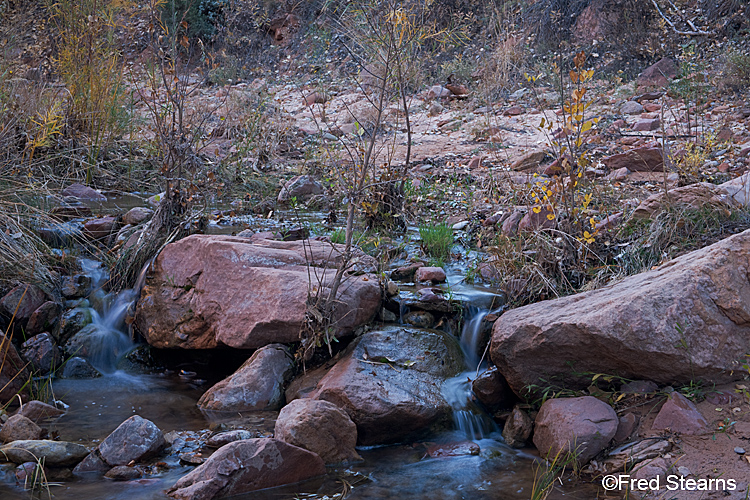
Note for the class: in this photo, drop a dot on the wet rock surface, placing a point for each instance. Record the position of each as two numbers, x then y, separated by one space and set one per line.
133 440
248 465
389 382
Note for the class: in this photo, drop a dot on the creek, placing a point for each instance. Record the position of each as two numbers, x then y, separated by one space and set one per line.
95 407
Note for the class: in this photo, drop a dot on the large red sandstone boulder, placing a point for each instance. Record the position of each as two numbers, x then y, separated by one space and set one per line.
248 465
582 426
320 427
389 382
685 320
257 385
205 291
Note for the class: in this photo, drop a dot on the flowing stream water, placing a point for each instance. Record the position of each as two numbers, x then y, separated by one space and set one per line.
470 419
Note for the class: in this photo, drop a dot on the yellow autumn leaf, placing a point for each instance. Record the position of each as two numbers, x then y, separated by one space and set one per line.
550 216
586 126
536 210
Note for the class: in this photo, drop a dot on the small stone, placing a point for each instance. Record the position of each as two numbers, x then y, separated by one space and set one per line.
647 125
123 473
631 108
20 428
136 215
740 451
222 438
433 274
514 111
420 319
435 109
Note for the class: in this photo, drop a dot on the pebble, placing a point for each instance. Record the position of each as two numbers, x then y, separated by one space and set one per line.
739 451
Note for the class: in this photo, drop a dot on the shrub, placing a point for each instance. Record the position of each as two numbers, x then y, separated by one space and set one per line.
737 69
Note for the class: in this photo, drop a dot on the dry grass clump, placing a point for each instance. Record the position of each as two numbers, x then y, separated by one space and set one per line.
24 257
546 264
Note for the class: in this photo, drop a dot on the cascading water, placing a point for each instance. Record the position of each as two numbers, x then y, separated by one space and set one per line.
469 418
106 340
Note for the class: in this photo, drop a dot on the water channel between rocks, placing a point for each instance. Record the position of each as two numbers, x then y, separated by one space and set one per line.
489 470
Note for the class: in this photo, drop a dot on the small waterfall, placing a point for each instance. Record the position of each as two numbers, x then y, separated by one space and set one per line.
470 419
106 341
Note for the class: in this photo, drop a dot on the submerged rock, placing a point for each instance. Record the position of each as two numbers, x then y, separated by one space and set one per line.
248 465
389 382
685 320
320 427
205 291
257 385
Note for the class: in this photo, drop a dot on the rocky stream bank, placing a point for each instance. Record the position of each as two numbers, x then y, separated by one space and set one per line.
395 405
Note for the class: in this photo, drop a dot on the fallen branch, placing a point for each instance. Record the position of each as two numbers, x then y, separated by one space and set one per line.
674 28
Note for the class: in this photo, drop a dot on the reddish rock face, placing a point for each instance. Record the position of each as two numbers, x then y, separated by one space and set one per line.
19 428
631 328
583 426
206 291
36 411
679 414
389 382
22 301
13 372
636 160
248 465
658 74
100 228
320 427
